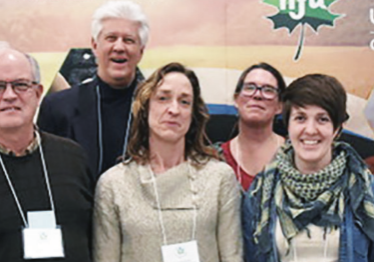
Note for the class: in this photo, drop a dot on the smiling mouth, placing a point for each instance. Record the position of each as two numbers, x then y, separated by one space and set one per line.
119 60
310 142
9 109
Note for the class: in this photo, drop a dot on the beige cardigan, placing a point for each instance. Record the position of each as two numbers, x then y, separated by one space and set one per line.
126 223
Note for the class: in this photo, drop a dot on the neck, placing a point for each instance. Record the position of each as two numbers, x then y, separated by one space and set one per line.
312 167
164 156
16 140
254 147
120 83
251 135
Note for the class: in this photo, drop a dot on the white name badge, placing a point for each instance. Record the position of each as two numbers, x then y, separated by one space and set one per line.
182 252
41 219
42 243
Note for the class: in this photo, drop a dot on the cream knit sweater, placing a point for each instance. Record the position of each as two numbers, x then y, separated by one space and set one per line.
126 222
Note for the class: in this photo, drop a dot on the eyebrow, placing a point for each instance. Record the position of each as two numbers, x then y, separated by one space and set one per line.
16 80
254 83
167 92
21 79
119 34
301 111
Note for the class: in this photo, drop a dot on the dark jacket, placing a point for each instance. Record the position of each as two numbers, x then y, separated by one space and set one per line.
73 113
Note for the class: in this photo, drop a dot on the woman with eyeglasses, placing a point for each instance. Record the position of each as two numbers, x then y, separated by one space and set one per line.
257 99
315 201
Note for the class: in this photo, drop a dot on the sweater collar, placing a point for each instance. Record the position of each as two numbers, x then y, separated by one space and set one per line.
34 144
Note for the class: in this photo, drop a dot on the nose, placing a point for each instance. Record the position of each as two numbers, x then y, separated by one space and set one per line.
119 45
174 107
257 94
9 93
311 127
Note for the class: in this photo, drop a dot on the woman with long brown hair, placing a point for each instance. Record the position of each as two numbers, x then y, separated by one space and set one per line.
171 200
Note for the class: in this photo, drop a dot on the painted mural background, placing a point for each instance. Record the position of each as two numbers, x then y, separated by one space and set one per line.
217 38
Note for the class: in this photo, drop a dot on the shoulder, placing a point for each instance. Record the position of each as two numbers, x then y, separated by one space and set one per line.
113 173
218 167
118 183
371 182
66 159
218 174
60 144
71 94
264 182
118 176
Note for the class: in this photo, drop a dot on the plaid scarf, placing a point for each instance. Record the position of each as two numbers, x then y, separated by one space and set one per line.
314 198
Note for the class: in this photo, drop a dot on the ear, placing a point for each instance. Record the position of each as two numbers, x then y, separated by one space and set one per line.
280 107
93 45
39 91
235 100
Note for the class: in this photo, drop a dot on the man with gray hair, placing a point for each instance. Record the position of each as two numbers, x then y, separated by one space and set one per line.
46 187
98 114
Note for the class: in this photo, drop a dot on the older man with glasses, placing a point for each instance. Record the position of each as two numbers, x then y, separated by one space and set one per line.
46 188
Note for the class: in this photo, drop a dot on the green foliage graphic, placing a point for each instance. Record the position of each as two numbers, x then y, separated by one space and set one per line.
292 13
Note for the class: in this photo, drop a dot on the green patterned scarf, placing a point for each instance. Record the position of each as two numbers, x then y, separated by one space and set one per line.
317 198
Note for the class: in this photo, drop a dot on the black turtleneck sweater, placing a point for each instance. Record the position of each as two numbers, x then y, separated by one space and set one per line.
115 112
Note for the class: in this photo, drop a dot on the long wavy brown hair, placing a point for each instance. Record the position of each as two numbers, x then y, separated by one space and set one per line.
195 148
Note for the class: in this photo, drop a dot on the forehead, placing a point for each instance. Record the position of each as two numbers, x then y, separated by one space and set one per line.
261 77
175 82
119 26
14 65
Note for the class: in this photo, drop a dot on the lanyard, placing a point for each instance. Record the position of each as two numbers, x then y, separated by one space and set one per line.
46 181
160 217
100 129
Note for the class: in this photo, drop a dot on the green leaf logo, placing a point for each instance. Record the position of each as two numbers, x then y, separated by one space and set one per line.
292 13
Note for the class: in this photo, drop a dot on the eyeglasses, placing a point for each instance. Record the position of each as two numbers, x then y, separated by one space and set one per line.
268 92
18 86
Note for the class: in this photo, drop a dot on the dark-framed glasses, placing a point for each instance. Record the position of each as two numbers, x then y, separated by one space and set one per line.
18 86
268 92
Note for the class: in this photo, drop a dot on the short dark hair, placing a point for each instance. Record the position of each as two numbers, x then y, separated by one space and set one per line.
195 148
278 76
320 90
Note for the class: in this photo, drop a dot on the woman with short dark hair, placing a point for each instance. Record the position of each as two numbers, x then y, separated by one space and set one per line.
171 200
315 201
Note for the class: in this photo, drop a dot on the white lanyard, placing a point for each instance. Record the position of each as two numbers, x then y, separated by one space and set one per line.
160 217
46 181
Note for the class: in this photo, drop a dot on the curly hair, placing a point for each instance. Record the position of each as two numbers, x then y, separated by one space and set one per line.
195 148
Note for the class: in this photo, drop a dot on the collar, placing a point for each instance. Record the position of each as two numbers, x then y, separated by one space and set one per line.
34 144
138 78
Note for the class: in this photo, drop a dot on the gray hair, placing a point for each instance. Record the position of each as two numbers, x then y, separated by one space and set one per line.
35 69
34 66
4 44
120 9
